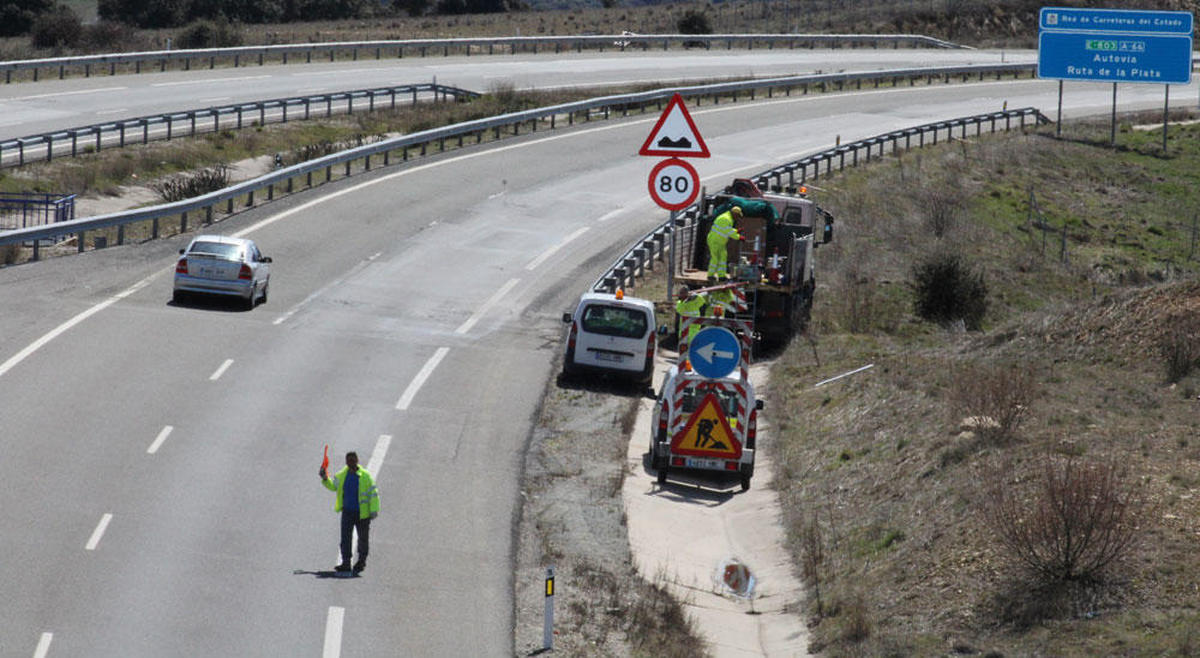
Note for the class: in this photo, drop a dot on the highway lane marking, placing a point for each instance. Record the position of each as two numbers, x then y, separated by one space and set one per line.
381 448
180 83
419 381
214 100
220 371
43 645
94 540
66 93
116 111
552 250
333 632
158 441
487 306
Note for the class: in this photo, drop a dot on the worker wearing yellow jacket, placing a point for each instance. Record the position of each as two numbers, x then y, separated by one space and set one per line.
690 306
358 502
720 233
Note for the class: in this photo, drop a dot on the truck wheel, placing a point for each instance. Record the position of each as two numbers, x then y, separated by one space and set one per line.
662 474
745 482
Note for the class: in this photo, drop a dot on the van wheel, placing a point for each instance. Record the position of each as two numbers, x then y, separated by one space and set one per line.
745 482
657 462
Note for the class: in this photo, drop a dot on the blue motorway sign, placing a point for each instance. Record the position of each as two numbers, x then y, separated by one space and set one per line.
715 352
1165 59
1116 20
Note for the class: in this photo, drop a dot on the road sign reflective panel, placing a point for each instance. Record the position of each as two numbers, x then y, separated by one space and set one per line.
707 433
674 184
714 352
1115 45
675 134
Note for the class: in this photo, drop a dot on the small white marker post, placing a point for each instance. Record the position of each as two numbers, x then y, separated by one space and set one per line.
548 628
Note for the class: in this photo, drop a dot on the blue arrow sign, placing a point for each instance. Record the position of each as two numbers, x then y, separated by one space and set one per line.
715 352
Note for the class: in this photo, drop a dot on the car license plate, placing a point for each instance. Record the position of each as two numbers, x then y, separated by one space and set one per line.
606 356
704 463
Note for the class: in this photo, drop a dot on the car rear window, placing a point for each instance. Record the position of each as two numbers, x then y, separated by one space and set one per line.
218 249
614 321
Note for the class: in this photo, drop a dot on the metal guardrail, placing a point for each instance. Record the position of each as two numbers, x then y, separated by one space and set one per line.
160 60
641 255
17 152
284 179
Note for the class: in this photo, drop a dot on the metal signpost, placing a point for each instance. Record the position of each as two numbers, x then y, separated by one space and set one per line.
1115 45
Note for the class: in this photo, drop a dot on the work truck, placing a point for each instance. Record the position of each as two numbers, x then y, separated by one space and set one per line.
706 419
774 261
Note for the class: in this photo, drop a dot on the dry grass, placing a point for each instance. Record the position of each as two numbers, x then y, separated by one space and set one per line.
878 458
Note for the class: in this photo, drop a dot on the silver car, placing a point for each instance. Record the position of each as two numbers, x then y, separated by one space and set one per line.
219 265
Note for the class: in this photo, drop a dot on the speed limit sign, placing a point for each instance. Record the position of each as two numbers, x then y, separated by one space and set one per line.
674 184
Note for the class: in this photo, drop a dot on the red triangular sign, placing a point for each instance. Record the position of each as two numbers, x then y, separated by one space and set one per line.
675 134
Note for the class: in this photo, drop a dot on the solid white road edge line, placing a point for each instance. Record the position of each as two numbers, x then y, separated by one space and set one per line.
381 448
43 645
552 250
158 441
487 306
333 632
200 82
419 380
94 540
67 93
220 371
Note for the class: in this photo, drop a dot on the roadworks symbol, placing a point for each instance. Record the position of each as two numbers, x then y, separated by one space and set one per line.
707 433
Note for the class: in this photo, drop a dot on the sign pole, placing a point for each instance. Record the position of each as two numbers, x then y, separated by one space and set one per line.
1058 124
671 267
1112 141
548 627
1166 107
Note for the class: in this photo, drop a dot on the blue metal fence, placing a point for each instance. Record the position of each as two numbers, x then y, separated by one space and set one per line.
26 209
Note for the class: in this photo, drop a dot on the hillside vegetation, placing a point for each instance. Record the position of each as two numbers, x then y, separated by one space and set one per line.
1030 488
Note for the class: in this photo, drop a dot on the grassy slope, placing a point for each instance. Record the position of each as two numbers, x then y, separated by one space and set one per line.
874 459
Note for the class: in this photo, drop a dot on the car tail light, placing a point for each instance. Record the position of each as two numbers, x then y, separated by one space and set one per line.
574 333
181 266
245 273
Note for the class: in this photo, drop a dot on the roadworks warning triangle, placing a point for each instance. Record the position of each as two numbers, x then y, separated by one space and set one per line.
675 135
707 433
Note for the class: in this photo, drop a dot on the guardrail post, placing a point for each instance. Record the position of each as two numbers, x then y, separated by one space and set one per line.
183 221
271 192
239 113
208 215
122 134
229 207
121 235
154 229
348 168
328 173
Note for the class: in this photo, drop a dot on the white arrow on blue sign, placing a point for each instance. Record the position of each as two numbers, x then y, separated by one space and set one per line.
714 352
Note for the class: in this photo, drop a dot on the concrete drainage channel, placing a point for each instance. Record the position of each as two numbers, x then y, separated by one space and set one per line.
720 551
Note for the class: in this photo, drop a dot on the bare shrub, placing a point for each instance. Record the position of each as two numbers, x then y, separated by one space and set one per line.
995 397
812 558
1179 346
187 186
941 203
9 253
1067 522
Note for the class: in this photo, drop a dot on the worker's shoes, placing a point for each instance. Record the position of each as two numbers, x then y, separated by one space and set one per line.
345 566
359 566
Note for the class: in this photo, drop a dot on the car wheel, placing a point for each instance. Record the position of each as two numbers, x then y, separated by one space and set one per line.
266 287
178 296
251 300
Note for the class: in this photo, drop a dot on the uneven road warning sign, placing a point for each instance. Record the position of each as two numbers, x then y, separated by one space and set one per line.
707 433
675 134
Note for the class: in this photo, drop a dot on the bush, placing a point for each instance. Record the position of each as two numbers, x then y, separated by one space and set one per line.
109 36
1179 346
948 291
1068 523
209 34
996 397
187 186
57 28
17 16
694 21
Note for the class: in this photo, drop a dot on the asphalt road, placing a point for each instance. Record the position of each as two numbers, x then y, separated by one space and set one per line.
160 460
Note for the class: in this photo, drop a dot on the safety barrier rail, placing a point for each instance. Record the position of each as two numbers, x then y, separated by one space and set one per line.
160 60
365 156
640 257
17 152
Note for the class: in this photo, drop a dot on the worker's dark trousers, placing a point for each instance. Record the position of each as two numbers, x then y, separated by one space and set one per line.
350 523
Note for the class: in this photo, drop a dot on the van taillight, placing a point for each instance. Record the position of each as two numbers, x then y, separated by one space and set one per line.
752 428
181 266
574 333
650 348
662 417
245 273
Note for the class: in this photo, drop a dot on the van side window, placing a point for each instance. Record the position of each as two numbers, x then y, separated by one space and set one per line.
614 321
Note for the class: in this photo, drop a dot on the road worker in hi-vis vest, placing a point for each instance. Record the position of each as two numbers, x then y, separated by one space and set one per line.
690 306
720 233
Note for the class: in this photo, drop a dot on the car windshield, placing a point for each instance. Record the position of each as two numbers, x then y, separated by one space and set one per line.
614 321
728 401
218 249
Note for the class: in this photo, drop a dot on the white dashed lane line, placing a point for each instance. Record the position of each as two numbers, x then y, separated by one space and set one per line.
381 448
94 540
158 441
333 632
43 645
487 306
220 371
418 381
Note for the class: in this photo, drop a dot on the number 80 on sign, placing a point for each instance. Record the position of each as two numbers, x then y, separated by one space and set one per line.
674 184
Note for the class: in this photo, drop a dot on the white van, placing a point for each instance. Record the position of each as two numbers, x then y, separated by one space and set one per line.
612 334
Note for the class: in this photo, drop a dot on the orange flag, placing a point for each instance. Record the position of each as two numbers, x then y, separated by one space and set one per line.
325 461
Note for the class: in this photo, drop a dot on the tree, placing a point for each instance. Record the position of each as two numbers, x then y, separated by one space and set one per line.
694 21
17 16
145 13
58 28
